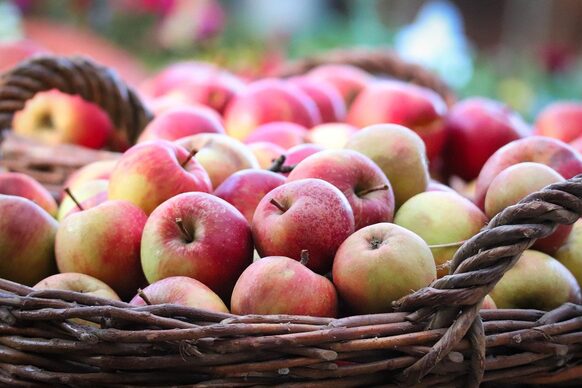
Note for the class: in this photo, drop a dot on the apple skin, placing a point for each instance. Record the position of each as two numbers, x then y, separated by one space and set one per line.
296 154
220 155
318 217
348 80
516 182
281 285
488 303
570 253
222 247
434 185
330 103
266 101
55 118
415 107
27 239
182 121
577 144
551 152
96 190
22 185
560 120
78 282
13 51
266 152
181 290
476 128
536 281
441 218
352 172
89 242
149 173
400 154
245 189
380 264
100 169
282 133
331 135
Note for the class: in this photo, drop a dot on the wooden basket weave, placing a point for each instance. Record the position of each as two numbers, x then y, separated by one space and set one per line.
437 336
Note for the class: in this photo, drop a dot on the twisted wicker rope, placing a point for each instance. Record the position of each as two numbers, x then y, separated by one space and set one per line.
75 75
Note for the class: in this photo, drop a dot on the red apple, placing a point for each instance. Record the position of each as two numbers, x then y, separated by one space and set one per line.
90 242
100 169
348 80
577 144
280 285
560 120
296 154
380 264
14 51
78 282
476 128
306 214
418 108
331 135
362 182
180 290
14 183
283 134
551 152
89 194
200 236
27 239
438 186
245 189
329 101
266 101
54 118
220 155
182 121
266 152
150 173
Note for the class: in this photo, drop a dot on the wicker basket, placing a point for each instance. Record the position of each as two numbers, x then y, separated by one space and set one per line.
437 336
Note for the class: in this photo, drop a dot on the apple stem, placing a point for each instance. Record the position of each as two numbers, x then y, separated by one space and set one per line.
304 257
144 296
277 165
278 205
189 158
184 231
70 194
371 190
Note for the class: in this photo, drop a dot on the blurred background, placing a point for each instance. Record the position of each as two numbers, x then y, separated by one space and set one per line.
523 52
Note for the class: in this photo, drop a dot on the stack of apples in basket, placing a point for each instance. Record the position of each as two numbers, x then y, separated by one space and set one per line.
333 193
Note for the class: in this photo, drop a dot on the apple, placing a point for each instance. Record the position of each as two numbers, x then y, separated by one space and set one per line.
284 134
95 190
307 214
536 281
78 282
330 103
551 152
149 173
55 118
362 182
281 285
331 135
444 220
90 242
560 120
577 144
570 253
180 290
416 107
245 189
296 154
266 152
22 185
400 154
200 236
378 265
476 128
220 155
13 51
97 170
182 121
516 182
266 101
27 239
348 80
488 303
434 185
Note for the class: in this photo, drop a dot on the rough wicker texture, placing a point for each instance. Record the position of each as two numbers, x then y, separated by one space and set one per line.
378 62
438 337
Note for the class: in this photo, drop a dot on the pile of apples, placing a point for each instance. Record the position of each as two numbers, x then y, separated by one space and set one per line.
317 195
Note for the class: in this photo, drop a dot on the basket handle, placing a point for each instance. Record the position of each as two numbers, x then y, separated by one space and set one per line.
378 62
73 75
454 300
